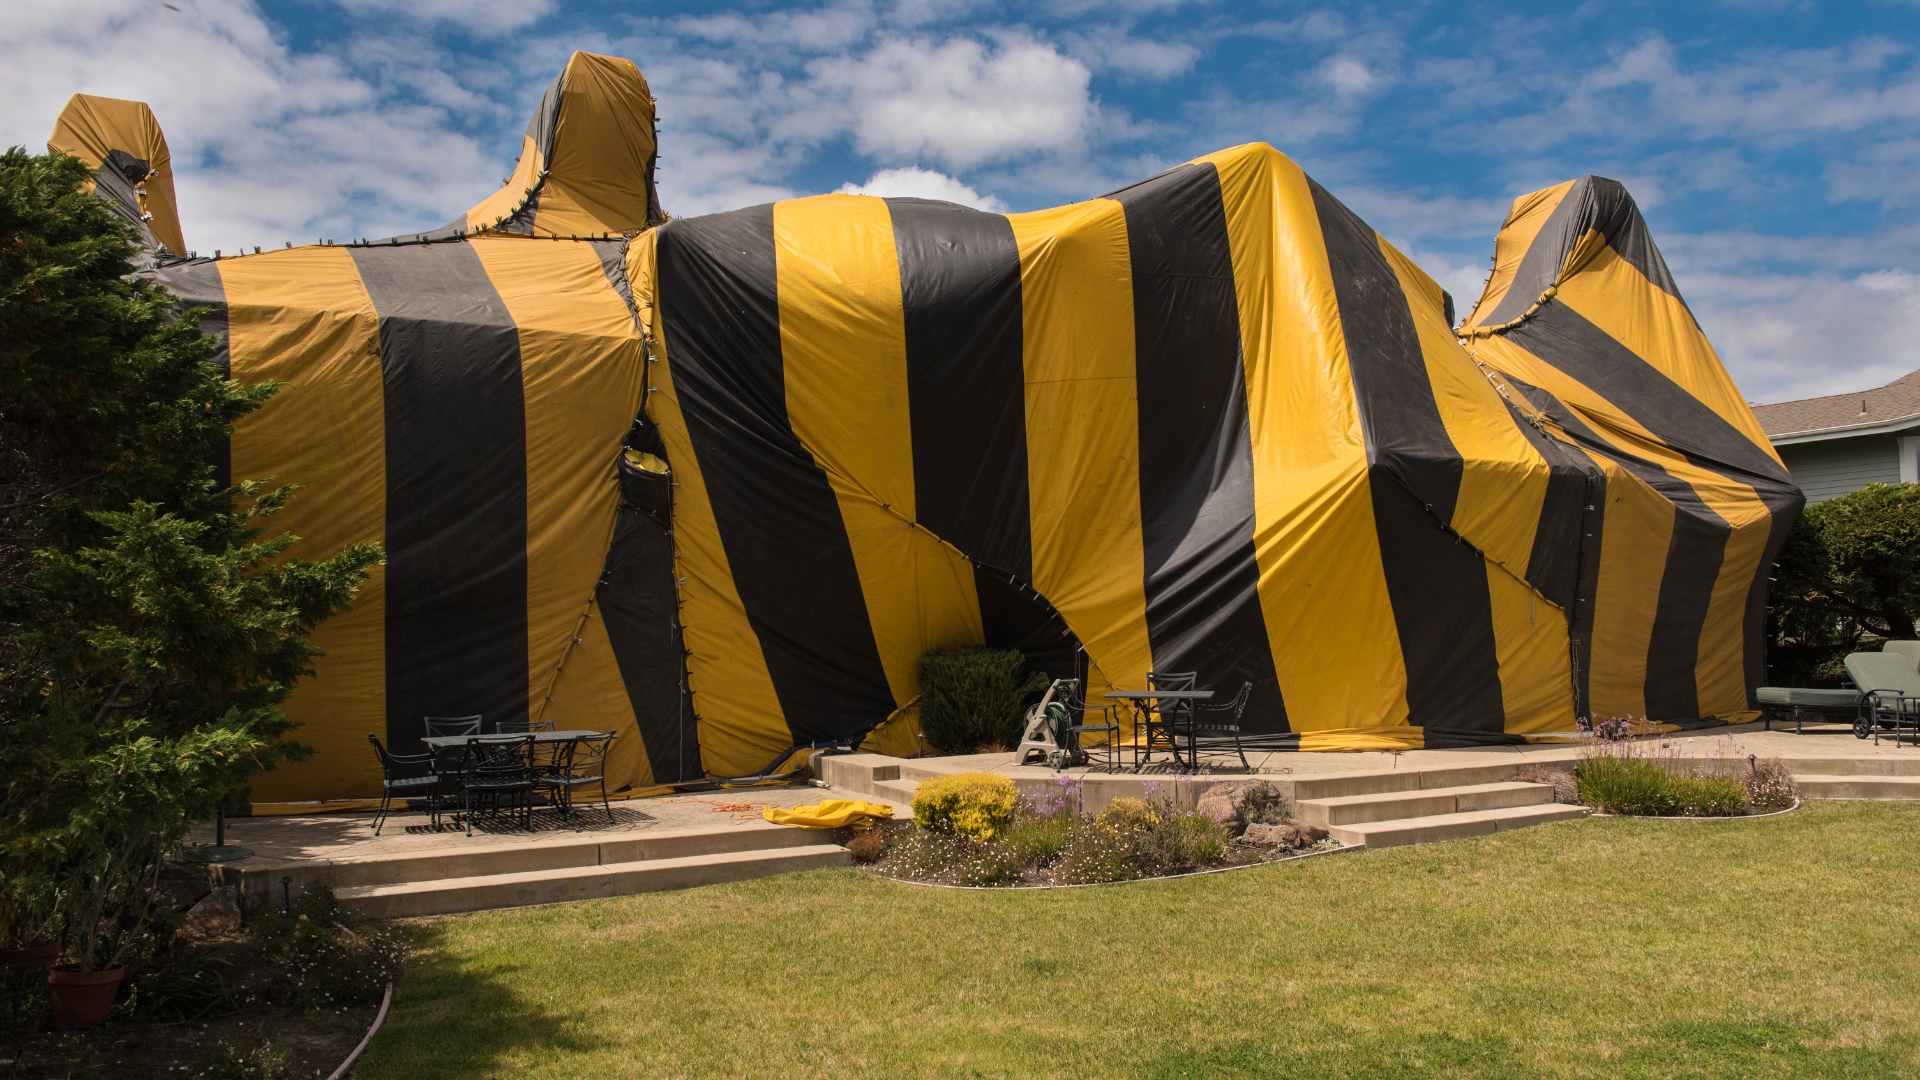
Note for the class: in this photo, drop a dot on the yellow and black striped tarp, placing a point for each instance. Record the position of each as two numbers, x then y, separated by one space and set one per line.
1211 422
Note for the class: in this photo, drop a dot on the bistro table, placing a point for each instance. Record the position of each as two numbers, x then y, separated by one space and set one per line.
1145 704
454 742
540 738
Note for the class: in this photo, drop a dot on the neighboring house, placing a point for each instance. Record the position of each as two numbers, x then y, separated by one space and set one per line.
1843 442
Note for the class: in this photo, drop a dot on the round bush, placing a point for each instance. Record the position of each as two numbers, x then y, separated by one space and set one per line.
976 805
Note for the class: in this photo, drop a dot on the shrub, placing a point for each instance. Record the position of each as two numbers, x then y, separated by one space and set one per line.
1184 842
1130 815
868 846
1038 840
976 805
1710 796
973 697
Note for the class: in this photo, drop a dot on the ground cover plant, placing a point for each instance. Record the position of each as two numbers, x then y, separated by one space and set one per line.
976 829
286 996
1623 769
1633 949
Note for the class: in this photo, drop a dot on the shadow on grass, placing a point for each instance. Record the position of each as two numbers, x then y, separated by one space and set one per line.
455 1018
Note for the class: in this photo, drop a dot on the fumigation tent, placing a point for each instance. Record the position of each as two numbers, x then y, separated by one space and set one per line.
717 483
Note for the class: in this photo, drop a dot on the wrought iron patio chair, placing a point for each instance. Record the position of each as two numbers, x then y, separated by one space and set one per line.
498 769
1217 726
579 763
1165 726
407 776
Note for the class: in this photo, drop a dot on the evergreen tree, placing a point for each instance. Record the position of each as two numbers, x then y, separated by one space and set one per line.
150 621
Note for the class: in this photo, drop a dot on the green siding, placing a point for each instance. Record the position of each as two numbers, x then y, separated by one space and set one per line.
1828 470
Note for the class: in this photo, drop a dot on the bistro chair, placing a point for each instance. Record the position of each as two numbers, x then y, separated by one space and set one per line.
521 726
499 767
579 763
440 727
1215 727
406 776
1165 725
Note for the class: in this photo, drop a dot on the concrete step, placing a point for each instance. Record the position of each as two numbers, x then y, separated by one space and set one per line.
1424 802
442 896
455 859
1856 786
897 792
1454 826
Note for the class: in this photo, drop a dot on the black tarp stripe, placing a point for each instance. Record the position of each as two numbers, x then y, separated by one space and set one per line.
777 516
639 605
1563 338
1540 266
1196 450
613 264
1593 202
197 283
1564 563
456 536
1553 561
1404 431
1694 554
1436 582
966 387
639 608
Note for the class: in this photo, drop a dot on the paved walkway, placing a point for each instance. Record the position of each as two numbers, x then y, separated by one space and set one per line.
1820 742
314 837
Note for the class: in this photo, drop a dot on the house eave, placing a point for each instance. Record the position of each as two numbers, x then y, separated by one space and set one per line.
1845 431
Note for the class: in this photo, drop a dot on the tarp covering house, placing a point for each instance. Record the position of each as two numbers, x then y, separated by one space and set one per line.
717 483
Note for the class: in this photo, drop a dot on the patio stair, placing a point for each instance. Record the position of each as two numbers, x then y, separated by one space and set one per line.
1856 786
443 881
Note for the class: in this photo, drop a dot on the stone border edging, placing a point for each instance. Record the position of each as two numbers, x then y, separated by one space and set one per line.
379 1018
1699 817
1130 881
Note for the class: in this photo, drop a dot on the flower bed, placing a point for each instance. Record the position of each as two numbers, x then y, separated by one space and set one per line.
1624 771
975 829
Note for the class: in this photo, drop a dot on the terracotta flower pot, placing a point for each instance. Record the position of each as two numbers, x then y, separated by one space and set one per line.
82 998
38 957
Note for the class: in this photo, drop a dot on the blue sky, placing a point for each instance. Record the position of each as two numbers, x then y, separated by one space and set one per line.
1774 147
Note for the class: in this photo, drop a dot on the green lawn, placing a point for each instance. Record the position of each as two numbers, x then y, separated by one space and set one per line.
1787 946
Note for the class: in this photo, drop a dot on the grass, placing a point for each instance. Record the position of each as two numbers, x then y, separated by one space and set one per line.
1619 948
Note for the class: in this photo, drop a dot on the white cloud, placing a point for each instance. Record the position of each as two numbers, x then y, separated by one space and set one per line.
1348 76
1120 50
960 101
483 17
913 182
836 26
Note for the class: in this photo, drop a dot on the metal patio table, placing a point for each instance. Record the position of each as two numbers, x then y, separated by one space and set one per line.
540 738
1147 702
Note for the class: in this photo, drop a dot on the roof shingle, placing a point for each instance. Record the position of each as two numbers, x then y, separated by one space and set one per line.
1895 401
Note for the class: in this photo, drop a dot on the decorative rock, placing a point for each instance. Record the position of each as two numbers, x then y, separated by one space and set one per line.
1287 834
1217 805
217 913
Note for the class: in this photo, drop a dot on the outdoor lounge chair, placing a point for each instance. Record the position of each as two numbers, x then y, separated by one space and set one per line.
1908 649
1801 704
1889 694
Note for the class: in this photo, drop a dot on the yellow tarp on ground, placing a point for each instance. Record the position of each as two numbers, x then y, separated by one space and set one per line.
830 814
